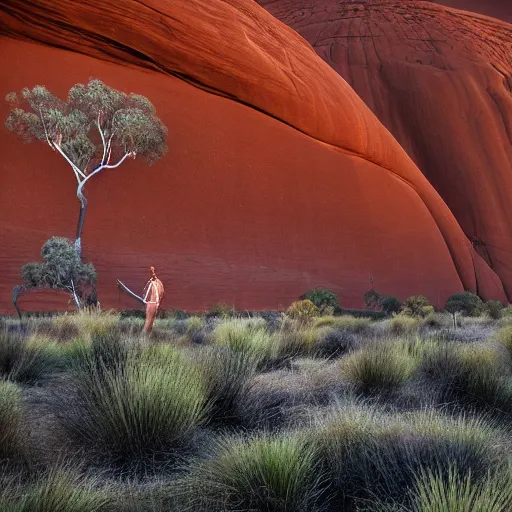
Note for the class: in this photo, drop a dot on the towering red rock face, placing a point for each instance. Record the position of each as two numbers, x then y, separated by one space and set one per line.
278 178
441 81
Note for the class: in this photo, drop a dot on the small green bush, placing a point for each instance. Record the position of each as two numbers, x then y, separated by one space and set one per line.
494 309
266 473
416 306
322 299
390 304
303 311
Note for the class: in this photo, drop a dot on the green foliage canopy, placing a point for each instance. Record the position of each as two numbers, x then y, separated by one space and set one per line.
465 303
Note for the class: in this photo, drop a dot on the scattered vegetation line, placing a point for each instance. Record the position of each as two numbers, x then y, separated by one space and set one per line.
304 411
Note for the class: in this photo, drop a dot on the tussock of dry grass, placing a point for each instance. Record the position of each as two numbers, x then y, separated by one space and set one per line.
239 414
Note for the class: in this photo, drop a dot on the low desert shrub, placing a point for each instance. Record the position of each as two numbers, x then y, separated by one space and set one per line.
379 368
59 490
303 311
494 309
135 412
265 473
417 306
436 321
390 304
322 299
21 360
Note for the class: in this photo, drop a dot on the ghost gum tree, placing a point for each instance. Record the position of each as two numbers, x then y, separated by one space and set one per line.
95 130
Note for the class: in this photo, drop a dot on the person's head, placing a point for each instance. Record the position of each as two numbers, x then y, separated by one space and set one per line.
153 275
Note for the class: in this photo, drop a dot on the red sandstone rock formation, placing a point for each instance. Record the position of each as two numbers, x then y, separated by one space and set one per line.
501 9
441 81
278 178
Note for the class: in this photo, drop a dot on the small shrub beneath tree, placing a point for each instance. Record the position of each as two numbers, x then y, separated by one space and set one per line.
390 304
417 306
303 310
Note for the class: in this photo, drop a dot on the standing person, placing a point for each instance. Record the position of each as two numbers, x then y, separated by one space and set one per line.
153 294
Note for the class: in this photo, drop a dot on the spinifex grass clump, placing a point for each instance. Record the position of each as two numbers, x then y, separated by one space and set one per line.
268 473
334 343
20 360
59 490
437 492
368 454
346 323
225 373
404 325
380 368
12 438
248 336
473 375
137 411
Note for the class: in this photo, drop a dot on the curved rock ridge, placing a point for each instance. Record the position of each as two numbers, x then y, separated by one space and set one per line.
245 208
501 9
441 81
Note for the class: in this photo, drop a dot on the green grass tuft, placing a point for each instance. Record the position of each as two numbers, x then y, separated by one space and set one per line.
267 473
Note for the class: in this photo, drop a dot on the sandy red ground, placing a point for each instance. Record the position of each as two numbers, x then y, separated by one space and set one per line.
278 179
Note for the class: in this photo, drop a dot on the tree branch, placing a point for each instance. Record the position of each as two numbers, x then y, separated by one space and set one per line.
75 297
102 139
79 192
109 148
126 155
68 160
